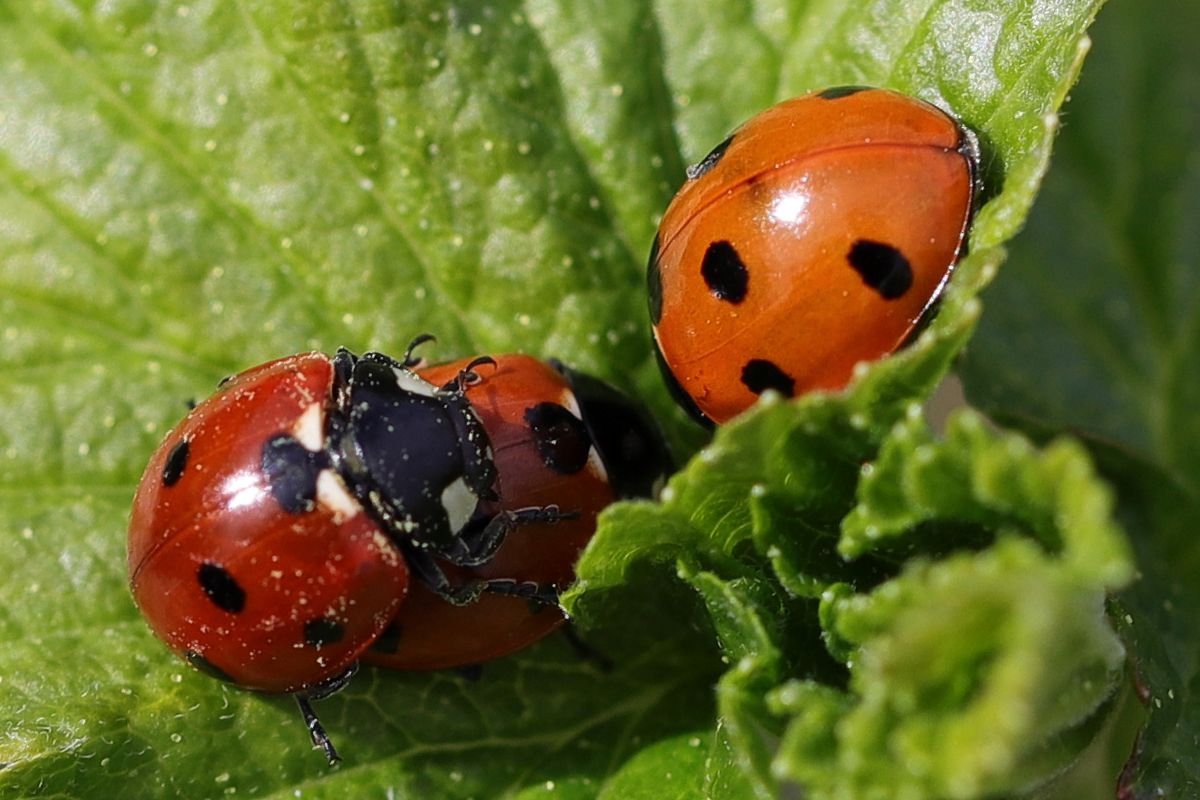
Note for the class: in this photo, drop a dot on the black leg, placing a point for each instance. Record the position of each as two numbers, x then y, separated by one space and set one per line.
424 567
317 731
319 692
480 546
544 594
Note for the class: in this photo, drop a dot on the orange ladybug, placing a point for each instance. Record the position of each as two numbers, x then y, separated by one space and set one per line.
818 235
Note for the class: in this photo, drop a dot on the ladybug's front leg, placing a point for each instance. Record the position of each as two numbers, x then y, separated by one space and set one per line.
424 568
478 544
543 593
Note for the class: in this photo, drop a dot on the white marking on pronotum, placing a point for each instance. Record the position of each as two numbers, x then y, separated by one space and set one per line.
309 429
460 503
410 381
333 495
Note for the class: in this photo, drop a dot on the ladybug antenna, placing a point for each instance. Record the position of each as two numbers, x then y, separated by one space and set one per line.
315 729
409 360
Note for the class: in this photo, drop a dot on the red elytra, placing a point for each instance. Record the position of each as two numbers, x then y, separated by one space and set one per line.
520 391
819 235
272 600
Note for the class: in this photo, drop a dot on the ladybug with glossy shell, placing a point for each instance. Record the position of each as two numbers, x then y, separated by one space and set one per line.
275 530
819 235
558 437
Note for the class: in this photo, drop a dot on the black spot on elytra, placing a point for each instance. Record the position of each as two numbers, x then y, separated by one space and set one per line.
711 160
624 435
221 588
176 463
323 631
291 470
654 288
759 375
838 92
388 642
882 267
207 667
725 273
561 438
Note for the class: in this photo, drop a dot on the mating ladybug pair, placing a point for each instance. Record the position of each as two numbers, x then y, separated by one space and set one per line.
316 511
319 511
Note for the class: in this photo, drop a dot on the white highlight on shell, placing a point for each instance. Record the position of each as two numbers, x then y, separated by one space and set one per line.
790 208
242 489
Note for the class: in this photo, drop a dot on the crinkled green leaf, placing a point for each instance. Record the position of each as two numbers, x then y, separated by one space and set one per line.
189 188
997 642
977 675
998 483
747 615
983 672
1093 328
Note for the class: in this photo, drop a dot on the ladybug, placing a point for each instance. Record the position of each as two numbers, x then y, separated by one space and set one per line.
818 235
558 438
277 529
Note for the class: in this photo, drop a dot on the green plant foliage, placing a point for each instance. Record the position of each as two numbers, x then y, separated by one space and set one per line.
825 593
1092 328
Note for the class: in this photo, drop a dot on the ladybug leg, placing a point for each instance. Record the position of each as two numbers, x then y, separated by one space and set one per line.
545 594
475 547
316 730
423 566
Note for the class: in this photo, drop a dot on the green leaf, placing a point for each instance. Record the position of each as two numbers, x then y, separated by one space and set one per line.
997 641
998 483
1093 325
981 673
1092 328
1156 618
973 676
187 189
